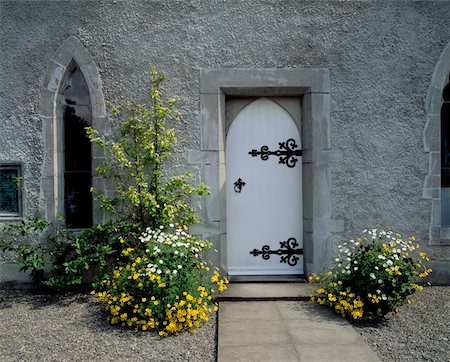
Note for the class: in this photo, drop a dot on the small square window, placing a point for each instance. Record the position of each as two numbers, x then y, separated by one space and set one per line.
10 191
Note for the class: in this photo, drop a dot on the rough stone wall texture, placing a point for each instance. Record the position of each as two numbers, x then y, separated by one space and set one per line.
381 55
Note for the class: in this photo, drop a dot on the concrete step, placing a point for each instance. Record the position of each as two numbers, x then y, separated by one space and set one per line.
266 291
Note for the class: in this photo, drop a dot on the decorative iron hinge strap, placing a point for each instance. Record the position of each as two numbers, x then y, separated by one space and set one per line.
288 256
286 153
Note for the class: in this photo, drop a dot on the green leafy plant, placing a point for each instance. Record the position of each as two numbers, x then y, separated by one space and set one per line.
75 256
144 194
22 239
372 275
56 257
167 288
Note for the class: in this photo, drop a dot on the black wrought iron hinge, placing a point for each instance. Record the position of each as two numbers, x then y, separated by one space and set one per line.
287 250
286 153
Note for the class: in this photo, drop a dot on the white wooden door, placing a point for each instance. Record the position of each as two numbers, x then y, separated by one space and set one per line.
264 208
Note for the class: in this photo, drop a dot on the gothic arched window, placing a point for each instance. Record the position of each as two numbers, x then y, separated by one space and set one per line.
76 114
445 157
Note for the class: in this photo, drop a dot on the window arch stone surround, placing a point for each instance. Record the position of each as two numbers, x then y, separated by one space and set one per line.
432 145
312 87
71 52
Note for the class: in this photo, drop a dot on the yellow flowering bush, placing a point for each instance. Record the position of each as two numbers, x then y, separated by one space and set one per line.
169 288
372 275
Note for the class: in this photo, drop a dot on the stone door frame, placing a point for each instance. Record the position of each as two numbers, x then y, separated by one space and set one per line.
312 86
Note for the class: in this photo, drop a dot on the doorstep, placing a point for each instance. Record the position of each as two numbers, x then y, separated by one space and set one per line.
266 291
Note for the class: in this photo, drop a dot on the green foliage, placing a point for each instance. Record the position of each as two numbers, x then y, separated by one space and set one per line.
20 239
75 255
56 257
144 194
372 275
167 288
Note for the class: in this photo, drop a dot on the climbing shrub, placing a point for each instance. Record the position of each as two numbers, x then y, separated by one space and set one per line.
372 275
144 194
168 288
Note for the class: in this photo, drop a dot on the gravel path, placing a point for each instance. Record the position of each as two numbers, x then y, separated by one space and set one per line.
37 327
73 328
418 332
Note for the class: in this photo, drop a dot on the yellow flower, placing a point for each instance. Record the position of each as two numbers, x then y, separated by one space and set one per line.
357 314
126 252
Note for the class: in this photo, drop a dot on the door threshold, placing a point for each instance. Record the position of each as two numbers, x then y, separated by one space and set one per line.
299 278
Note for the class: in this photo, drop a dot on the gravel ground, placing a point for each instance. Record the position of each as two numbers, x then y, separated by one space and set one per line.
36 327
417 332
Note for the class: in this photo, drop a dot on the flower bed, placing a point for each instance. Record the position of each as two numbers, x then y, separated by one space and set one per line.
168 289
372 275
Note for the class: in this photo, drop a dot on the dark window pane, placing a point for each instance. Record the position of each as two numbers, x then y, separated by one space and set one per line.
77 148
77 152
445 158
9 190
78 91
445 140
78 200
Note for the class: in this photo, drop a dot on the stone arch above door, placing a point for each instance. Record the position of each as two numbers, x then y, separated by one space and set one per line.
71 52
312 86
239 103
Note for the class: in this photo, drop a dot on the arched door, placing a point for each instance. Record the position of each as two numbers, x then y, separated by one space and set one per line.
264 192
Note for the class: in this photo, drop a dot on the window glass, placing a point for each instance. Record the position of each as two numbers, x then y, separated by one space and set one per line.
77 152
10 190
445 158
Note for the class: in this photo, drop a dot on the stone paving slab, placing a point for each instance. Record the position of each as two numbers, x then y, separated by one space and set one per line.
287 331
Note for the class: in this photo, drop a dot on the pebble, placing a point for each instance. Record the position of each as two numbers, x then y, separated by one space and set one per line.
74 328
418 331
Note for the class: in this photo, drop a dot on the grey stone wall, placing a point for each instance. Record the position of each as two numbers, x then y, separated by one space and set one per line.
381 56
